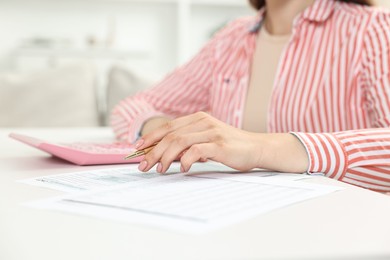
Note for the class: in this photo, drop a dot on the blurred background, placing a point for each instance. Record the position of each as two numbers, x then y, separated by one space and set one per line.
66 63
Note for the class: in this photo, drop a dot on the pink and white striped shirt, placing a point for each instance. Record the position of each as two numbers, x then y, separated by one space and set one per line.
332 89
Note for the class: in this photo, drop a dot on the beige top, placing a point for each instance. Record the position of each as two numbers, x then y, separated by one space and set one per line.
264 65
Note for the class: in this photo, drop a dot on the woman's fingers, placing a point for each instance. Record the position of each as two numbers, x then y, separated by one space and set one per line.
171 126
197 152
172 146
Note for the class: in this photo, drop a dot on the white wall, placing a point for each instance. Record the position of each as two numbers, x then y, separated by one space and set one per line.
149 27
138 26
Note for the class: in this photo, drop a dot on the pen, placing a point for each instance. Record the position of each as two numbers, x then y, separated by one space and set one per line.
140 152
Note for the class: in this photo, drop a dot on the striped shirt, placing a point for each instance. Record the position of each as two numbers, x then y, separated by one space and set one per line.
331 89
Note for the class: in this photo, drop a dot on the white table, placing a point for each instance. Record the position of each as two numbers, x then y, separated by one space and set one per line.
350 224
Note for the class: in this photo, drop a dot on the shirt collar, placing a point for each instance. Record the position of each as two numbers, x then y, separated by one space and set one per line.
318 12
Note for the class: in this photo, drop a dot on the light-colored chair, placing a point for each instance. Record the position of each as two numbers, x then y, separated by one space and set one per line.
123 82
58 97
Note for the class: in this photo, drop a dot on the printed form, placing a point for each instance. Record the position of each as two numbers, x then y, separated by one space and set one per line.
192 203
96 179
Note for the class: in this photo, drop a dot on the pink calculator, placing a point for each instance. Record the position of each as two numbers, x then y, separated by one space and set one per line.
83 153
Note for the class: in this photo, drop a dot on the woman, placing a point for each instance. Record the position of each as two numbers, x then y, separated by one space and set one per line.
302 86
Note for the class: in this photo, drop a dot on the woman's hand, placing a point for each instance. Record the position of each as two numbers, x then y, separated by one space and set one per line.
199 137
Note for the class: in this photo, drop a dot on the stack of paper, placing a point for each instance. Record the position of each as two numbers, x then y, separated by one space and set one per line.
189 203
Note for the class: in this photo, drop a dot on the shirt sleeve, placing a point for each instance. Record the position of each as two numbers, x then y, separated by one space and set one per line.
361 157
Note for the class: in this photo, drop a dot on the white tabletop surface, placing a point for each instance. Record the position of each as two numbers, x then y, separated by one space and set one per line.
350 224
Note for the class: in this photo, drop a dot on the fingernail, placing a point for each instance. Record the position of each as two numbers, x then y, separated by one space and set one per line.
159 168
142 165
139 143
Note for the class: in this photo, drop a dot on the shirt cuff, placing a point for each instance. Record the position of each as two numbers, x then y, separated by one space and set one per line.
134 131
326 154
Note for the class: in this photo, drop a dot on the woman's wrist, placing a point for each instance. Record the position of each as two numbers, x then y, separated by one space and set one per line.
282 152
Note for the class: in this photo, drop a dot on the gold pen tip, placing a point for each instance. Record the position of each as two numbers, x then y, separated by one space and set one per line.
129 156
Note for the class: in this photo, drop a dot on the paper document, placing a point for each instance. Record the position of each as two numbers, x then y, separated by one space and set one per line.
90 180
96 179
187 203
